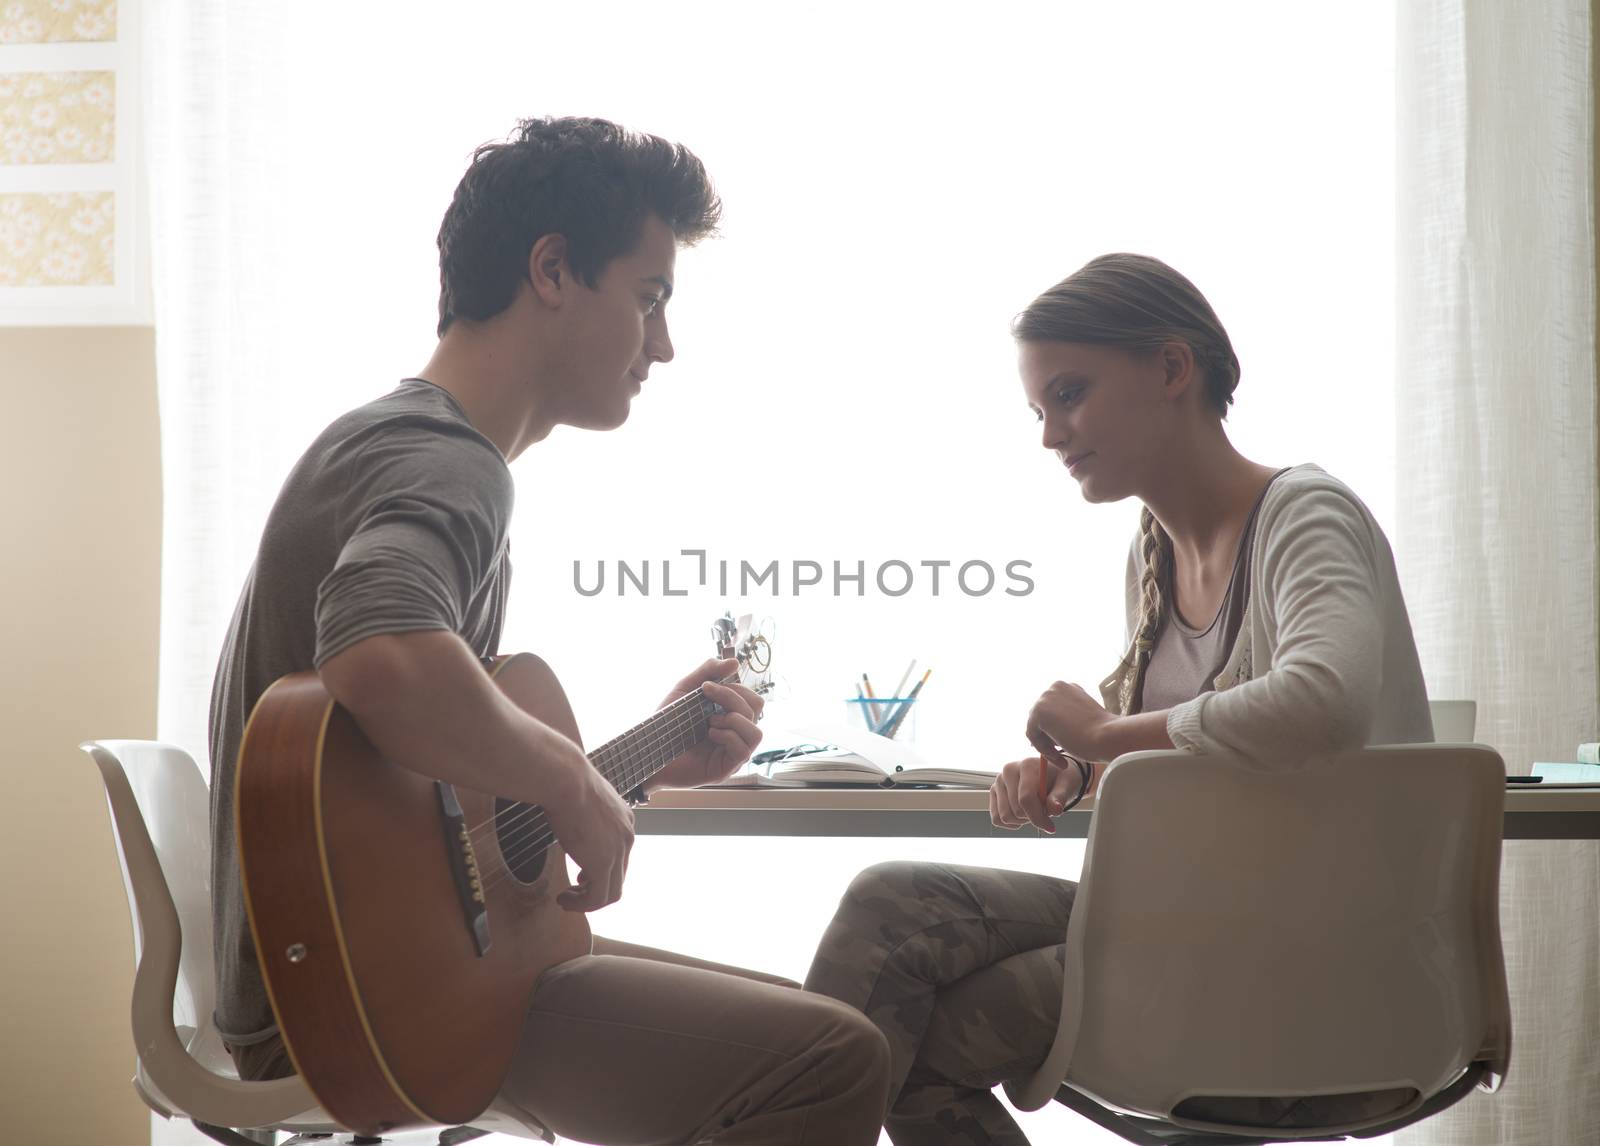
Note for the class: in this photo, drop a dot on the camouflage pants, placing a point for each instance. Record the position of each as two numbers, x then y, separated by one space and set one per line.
960 968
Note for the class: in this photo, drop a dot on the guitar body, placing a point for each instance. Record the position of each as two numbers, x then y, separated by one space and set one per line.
361 897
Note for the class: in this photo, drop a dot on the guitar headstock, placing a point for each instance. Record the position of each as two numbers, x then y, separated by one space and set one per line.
752 650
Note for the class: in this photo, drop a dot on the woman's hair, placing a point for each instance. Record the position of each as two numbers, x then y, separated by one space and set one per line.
1156 548
588 179
1139 304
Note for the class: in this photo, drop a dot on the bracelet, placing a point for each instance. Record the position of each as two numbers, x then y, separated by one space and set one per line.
1085 777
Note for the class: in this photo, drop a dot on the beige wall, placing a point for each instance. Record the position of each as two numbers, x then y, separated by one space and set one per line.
80 502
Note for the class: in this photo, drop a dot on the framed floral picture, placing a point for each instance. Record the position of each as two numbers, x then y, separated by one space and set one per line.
73 237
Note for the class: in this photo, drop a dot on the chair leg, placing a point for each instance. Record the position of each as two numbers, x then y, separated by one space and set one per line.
453 1136
1154 1132
1123 1127
230 1137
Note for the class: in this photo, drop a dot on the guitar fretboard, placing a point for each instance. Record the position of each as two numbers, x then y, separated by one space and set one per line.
628 760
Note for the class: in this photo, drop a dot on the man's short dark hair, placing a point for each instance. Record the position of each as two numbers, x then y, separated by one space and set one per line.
586 179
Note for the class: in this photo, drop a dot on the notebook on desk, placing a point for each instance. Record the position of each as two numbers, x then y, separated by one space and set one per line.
1568 775
847 757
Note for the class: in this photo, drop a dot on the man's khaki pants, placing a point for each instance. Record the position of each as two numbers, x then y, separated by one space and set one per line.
632 1046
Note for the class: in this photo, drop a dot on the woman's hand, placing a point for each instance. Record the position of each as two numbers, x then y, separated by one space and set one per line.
1067 718
1014 795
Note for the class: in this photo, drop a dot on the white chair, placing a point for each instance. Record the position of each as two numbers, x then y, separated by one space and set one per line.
160 810
1454 721
1241 931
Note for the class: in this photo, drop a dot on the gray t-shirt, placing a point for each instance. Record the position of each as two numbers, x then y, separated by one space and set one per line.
393 521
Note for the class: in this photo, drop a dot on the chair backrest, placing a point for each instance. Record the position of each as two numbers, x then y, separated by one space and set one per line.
1323 929
173 803
1454 721
160 810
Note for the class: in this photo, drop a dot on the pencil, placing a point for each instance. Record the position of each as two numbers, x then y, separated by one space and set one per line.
876 721
905 706
866 711
900 689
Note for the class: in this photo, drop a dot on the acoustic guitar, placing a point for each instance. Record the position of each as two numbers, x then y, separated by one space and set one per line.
401 922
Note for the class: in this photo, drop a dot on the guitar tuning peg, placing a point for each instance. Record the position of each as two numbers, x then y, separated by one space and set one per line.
757 653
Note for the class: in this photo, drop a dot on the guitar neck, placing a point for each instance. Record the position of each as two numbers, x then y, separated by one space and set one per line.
628 760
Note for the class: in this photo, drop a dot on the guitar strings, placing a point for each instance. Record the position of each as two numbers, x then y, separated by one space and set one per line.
516 844
517 810
684 704
529 831
514 830
674 713
532 832
526 830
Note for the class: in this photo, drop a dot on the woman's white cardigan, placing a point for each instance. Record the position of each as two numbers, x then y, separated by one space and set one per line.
1324 659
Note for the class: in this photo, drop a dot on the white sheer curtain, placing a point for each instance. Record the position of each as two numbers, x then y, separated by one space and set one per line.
1496 498
231 380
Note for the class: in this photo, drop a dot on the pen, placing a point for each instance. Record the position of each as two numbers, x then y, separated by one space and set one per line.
866 710
900 689
905 706
875 721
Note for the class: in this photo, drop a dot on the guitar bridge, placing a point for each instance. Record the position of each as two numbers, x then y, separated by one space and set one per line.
464 867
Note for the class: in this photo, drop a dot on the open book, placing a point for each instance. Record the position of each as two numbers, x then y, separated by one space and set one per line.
851 757
1568 775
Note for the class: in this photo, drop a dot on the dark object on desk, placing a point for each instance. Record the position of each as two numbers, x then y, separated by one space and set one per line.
773 756
1524 779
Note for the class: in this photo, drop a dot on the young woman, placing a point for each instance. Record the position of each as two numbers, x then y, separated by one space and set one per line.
1264 617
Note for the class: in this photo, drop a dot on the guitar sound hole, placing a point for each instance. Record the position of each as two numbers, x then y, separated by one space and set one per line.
525 838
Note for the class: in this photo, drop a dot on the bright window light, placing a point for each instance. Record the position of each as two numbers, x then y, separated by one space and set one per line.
899 181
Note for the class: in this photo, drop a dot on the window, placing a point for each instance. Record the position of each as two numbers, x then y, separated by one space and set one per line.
897 186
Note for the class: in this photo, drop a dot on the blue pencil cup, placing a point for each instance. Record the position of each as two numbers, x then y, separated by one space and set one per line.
892 716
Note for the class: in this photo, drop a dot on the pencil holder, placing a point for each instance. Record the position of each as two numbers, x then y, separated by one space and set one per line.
892 716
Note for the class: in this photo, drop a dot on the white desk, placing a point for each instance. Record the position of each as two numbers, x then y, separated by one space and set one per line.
1532 813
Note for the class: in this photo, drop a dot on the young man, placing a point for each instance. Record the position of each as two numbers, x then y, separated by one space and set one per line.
384 566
